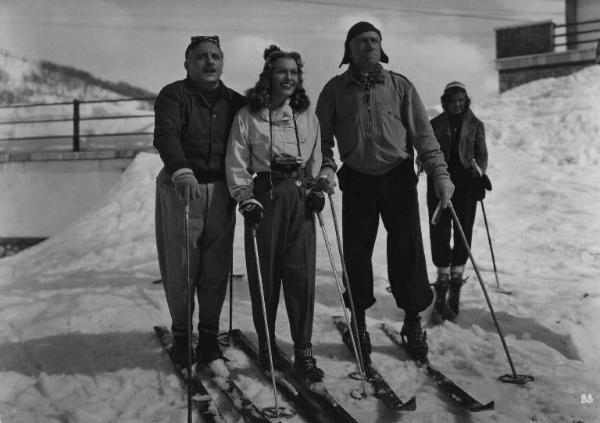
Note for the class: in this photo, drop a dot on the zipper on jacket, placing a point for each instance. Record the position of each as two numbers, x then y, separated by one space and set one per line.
368 104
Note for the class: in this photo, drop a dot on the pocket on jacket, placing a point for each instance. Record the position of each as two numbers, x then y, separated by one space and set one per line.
395 115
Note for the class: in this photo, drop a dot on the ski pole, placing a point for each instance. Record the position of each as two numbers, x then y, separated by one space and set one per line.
224 338
186 218
264 309
230 299
339 287
487 229
346 280
514 378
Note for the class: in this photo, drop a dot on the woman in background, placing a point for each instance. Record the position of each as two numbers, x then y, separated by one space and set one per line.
462 140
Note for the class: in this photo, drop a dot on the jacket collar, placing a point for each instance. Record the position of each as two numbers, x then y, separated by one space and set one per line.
348 77
224 92
467 122
276 114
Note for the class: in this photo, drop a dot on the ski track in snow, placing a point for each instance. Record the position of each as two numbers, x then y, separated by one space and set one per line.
76 312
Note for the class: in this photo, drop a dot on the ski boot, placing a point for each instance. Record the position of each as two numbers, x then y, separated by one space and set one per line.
414 338
208 349
179 350
306 368
456 284
279 362
439 307
364 340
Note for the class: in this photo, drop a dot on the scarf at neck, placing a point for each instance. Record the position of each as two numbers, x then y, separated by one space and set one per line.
368 80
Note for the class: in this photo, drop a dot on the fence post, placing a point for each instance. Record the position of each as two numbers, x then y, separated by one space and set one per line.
76 125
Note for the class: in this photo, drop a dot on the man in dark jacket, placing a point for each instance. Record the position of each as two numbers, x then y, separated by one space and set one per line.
192 120
377 118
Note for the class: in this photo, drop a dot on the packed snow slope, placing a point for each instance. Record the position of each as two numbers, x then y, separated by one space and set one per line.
76 312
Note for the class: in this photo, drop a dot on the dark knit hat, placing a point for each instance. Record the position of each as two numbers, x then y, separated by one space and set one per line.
356 29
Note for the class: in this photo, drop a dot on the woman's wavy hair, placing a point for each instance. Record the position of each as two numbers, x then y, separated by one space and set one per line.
259 96
446 97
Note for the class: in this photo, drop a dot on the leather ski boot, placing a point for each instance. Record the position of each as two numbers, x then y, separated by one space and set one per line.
208 349
179 350
279 362
439 307
306 368
414 338
456 284
363 339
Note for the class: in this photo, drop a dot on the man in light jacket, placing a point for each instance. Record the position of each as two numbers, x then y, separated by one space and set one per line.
378 119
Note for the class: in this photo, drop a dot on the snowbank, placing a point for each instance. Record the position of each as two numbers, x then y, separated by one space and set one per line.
554 120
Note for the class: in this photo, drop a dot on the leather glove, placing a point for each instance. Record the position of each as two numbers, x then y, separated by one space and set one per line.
315 201
476 171
326 180
186 185
444 189
480 186
252 211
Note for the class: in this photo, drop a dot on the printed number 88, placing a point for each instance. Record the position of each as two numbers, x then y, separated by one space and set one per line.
587 398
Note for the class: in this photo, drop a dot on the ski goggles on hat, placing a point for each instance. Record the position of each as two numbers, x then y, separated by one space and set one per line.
198 39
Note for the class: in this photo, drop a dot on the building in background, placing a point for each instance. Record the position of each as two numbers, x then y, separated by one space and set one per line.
545 49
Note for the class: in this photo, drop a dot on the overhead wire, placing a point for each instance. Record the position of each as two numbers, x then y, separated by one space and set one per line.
429 12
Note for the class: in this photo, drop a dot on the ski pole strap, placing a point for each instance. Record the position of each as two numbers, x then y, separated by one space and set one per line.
436 214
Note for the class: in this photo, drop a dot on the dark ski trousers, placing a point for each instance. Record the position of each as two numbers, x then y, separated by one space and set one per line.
393 196
465 207
287 253
211 228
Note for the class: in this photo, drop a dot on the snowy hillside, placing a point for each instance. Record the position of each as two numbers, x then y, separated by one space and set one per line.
555 120
76 311
26 82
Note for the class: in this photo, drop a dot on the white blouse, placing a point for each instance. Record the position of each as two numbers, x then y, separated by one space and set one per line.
252 138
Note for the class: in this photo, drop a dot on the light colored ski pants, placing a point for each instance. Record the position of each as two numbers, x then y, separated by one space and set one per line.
211 229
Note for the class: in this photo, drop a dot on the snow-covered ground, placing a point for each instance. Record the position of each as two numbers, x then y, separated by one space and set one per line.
76 312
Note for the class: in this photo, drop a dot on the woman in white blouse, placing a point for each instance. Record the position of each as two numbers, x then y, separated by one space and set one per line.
272 161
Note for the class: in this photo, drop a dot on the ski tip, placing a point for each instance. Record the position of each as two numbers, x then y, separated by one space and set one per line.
482 407
410 405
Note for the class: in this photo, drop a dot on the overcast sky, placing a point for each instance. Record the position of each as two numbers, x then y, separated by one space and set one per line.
142 41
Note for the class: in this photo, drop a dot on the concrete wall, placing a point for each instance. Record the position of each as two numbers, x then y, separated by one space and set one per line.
582 11
587 10
519 40
42 193
515 71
